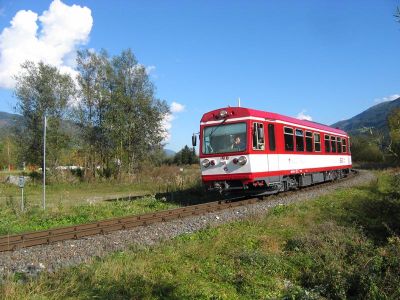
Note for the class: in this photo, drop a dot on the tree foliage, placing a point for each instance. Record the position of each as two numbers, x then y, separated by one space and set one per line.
375 147
8 150
42 90
186 156
120 117
365 149
116 124
394 127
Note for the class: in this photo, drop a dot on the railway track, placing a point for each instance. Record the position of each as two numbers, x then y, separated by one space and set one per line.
18 241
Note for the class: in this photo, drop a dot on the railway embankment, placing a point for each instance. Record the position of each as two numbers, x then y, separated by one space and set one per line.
50 258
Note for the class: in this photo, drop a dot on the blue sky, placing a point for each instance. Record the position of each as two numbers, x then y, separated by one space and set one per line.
325 59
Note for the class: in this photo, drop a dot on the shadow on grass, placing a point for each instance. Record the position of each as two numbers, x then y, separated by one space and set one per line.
190 196
127 198
375 165
135 287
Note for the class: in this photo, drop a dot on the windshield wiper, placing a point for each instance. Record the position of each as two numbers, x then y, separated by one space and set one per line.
216 127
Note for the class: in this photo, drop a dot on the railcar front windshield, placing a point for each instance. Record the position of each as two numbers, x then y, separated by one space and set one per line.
224 138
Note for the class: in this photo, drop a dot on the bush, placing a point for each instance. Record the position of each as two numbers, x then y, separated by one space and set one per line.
378 213
340 262
35 175
77 172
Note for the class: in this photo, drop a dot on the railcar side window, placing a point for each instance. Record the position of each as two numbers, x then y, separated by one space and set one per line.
317 142
327 143
333 143
344 148
288 134
271 137
299 140
309 147
339 145
258 136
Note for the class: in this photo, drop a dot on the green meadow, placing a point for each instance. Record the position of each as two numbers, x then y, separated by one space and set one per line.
344 245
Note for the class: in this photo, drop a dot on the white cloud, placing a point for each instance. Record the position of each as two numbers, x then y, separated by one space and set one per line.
168 118
302 116
388 98
150 69
177 107
62 29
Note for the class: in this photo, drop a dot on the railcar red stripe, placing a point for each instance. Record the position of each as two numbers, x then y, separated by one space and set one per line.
251 176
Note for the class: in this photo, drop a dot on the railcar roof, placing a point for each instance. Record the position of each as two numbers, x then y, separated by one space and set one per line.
240 112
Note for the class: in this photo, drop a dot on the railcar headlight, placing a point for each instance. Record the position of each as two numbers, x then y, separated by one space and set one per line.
205 163
242 160
223 114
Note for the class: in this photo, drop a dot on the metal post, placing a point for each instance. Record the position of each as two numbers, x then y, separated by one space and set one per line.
21 184
22 199
44 162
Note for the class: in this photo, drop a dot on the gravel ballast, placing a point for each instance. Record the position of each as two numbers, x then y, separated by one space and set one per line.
31 261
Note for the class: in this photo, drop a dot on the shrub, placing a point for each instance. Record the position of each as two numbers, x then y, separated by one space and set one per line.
340 262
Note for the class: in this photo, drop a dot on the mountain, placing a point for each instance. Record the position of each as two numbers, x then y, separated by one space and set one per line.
169 153
375 117
7 119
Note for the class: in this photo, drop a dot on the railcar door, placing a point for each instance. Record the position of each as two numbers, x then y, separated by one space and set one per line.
273 159
259 159
264 154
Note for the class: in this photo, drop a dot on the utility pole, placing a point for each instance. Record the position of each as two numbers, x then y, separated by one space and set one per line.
44 162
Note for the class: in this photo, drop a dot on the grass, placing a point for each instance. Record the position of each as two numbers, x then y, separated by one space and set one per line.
69 194
12 221
339 246
76 202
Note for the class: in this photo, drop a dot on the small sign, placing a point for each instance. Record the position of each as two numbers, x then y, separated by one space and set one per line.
21 182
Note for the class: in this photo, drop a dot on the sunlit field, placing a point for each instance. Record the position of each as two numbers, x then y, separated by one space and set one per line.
78 201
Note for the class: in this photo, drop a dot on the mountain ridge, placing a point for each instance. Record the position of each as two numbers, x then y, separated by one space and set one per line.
373 117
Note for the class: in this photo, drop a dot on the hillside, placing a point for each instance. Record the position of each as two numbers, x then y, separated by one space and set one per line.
169 153
7 119
375 116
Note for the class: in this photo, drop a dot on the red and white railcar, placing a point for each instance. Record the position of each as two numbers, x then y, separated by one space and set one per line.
261 152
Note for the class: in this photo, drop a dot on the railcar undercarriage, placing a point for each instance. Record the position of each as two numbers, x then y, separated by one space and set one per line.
273 184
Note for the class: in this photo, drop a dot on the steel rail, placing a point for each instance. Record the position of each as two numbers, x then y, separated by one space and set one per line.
35 238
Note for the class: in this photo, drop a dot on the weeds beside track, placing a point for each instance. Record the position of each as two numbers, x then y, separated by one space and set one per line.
17 241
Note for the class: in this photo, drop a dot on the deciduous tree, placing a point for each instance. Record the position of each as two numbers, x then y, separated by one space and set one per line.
119 113
186 156
41 90
394 127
